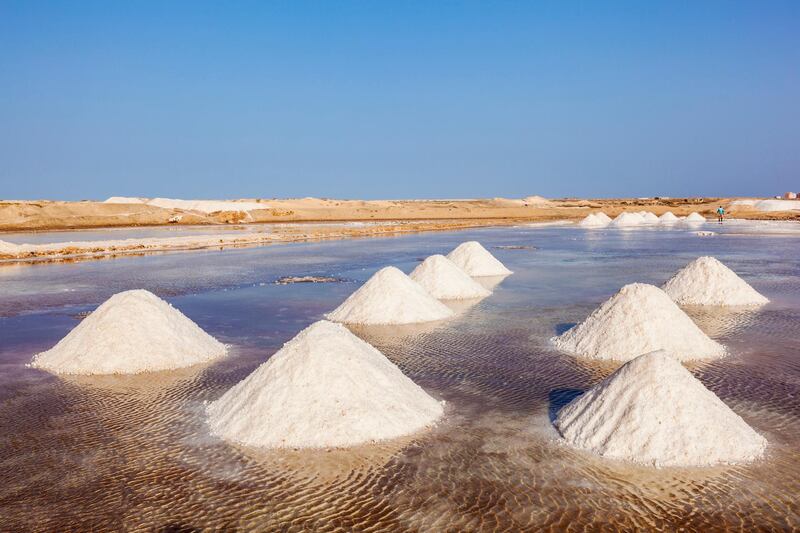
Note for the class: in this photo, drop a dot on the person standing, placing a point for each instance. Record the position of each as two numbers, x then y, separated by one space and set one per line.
720 214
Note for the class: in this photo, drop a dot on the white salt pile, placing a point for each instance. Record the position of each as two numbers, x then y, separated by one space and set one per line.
131 332
706 281
653 411
324 388
627 220
649 218
8 249
444 280
668 218
603 216
638 319
390 297
204 206
695 217
476 260
593 221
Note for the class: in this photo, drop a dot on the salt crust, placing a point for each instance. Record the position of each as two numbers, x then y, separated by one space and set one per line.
131 332
655 412
638 319
444 280
324 388
390 297
476 260
706 281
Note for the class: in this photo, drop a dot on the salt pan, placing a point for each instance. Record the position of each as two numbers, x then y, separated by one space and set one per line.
475 260
638 319
131 332
390 297
654 411
444 280
324 388
706 281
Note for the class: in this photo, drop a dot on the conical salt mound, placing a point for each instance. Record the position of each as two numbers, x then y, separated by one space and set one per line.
668 218
695 217
638 319
649 218
324 388
390 297
476 260
593 221
603 216
131 332
706 281
445 281
654 411
627 219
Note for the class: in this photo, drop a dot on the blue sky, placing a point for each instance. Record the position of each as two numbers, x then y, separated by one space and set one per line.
398 99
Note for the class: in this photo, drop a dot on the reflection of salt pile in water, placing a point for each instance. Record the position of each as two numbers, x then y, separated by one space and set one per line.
445 281
627 219
390 297
638 319
325 387
131 332
654 411
706 281
592 220
695 217
668 218
475 260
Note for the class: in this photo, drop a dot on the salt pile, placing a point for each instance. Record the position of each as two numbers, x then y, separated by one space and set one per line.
390 297
131 332
777 205
649 218
324 388
668 218
593 221
603 216
695 217
706 281
444 280
653 411
627 220
638 319
475 260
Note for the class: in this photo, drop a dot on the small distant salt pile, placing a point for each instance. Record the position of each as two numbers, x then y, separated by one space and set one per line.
627 220
444 280
668 218
593 221
706 281
131 332
603 216
476 260
653 411
695 217
390 297
649 218
638 319
9 249
324 388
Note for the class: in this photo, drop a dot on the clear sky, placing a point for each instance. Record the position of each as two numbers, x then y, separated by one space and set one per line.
399 99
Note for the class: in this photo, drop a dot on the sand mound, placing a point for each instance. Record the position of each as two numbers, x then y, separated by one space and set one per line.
654 411
668 218
627 220
131 332
695 217
445 281
324 388
706 281
593 221
390 297
476 260
638 319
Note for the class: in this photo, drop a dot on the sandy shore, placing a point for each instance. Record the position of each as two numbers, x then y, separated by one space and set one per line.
386 217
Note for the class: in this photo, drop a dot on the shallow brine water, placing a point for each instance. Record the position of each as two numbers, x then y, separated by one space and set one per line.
133 453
